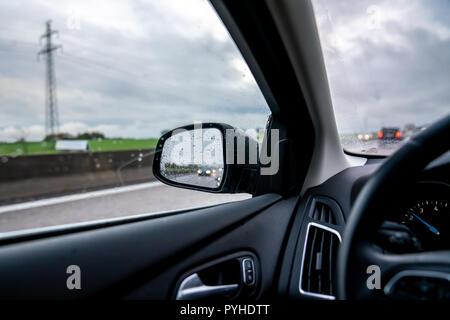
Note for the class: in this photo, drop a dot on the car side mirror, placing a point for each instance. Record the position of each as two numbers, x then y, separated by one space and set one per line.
211 157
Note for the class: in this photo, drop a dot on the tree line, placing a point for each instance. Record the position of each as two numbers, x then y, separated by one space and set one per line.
83 136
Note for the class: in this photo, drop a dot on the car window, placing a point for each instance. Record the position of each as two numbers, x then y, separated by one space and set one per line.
87 87
388 66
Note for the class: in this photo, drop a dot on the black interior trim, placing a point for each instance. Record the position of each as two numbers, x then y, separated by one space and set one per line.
251 25
211 263
367 156
115 259
262 235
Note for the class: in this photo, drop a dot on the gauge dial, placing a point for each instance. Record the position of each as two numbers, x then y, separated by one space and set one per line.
430 221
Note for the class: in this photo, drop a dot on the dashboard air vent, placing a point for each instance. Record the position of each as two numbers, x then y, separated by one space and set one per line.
319 261
323 212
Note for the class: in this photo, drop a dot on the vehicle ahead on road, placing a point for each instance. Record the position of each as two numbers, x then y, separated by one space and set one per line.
391 134
205 171
322 224
364 137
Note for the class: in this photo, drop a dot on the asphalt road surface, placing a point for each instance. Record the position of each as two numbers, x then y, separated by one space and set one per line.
109 203
125 201
197 180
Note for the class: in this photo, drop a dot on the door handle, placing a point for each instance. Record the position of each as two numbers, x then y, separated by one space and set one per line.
192 288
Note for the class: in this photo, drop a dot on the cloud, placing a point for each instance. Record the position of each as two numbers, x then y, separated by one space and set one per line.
132 68
135 68
388 62
36 132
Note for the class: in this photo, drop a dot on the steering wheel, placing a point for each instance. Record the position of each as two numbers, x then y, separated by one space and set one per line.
360 260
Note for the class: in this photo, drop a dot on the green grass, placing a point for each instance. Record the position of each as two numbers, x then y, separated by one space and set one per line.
122 144
45 147
19 148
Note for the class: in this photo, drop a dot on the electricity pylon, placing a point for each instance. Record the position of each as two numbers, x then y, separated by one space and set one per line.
51 107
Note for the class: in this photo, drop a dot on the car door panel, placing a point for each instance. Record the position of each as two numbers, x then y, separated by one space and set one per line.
263 235
144 259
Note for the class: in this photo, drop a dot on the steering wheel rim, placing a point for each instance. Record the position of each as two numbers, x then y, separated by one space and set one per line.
357 251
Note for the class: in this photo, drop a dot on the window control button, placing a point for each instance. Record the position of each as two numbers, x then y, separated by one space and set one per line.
248 269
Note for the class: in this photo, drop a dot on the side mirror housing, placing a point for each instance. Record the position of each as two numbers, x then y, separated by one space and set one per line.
211 157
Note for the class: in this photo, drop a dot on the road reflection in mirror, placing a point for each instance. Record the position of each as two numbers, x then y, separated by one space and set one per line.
194 157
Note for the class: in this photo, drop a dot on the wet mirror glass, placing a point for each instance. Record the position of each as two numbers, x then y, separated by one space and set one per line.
194 157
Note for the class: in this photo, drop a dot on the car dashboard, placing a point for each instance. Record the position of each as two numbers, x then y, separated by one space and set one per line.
423 223
418 222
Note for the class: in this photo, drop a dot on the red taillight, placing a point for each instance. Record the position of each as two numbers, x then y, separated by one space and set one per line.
380 134
398 134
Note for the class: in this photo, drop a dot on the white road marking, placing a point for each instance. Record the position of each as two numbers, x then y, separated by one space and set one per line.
78 196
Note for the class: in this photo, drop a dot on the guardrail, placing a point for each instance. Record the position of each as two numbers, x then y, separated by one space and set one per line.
39 176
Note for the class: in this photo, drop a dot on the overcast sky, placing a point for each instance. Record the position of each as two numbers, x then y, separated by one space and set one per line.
128 68
388 62
134 68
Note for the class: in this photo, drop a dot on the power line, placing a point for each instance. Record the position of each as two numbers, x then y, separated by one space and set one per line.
51 108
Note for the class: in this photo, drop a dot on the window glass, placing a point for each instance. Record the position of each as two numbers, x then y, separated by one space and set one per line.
86 89
388 66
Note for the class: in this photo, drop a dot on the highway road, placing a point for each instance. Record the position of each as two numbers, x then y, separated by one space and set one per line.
197 180
119 202
109 203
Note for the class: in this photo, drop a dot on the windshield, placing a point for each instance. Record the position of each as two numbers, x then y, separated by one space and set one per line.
388 67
